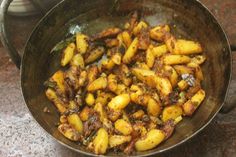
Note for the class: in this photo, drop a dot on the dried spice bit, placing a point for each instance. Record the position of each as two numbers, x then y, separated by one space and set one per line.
168 128
173 97
92 124
110 32
46 110
189 79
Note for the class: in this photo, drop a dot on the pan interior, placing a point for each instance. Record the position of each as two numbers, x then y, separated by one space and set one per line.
187 19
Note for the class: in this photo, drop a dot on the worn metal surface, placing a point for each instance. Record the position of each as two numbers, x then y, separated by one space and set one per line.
21 136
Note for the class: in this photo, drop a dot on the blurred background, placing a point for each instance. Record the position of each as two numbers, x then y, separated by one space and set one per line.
20 136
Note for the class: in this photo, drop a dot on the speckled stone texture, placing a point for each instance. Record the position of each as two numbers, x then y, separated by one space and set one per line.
20 135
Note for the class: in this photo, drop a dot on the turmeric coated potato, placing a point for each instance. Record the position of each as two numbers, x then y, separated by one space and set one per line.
69 132
75 122
81 43
100 83
171 112
68 54
100 142
119 102
123 127
117 140
131 51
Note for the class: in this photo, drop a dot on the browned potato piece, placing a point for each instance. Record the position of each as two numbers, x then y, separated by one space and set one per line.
84 114
94 55
69 132
68 54
58 77
112 82
112 42
143 40
171 112
110 32
116 140
163 85
159 50
103 98
92 73
102 113
119 102
176 59
183 85
153 108
181 69
158 33
138 114
130 51
187 47
171 43
124 127
108 64
77 60
75 122
81 43
191 105
198 73
124 75
150 58
127 40
197 60
116 58
172 74
100 83
137 29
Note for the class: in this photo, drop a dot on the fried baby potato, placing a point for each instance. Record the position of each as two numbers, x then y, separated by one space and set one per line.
123 127
119 102
126 38
181 69
75 122
158 33
81 43
172 74
183 85
112 82
163 85
58 77
175 59
109 32
137 29
68 54
150 58
103 98
102 113
153 108
84 114
171 112
94 55
92 73
187 47
100 83
159 50
89 99
77 60
191 105
153 138
69 132
51 95
108 64
130 52
100 142
171 43
138 114
116 140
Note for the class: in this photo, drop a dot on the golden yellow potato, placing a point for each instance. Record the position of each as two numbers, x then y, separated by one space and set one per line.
100 143
90 100
108 64
199 59
77 60
172 74
92 73
68 132
187 47
75 122
116 58
131 51
183 85
153 108
163 85
68 54
171 112
176 59
159 50
102 113
100 83
58 77
181 69
158 33
116 140
84 114
127 40
112 82
150 58
139 27
119 102
198 73
81 43
123 126
138 114
150 141
94 55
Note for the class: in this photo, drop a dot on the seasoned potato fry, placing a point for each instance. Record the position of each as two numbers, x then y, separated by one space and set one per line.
187 47
90 100
171 43
178 119
191 105
130 51
138 114
99 108
198 73
158 33
77 60
116 58
176 59
150 58
151 140
109 32
171 112
153 108
159 50
104 98
92 73
58 77
63 119
112 42
141 25
116 140
126 38
163 85
199 59
100 143
123 126
172 74
69 132
183 85
84 114
112 82
181 69
94 55
68 54
51 95
82 78
100 83
108 64
81 43
119 102
138 127
146 76
142 66
75 122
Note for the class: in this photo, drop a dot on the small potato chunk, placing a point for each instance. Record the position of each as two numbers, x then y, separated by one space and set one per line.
130 51
81 43
84 114
158 33
69 132
150 58
163 85
58 77
104 98
109 32
108 64
77 60
51 95
90 100
116 58
119 102
171 112
199 59
92 73
159 50
198 73
124 127
112 42
181 69
112 82
100 109
94 55
141 25
138 114
153 108
172 75
100 143
150 141
187 47
116 140
68 54
75 122
100 83
127 40
183 85
191 105
176 59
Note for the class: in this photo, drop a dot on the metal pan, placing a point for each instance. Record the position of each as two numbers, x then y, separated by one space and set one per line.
189 19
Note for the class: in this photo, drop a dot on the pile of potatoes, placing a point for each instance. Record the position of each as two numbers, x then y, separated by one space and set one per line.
126 89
